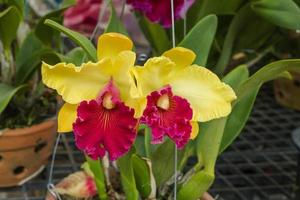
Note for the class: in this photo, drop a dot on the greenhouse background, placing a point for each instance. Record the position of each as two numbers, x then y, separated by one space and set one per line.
201 99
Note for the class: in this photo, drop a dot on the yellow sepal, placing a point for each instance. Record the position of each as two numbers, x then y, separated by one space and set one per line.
181 56
66 117
111 44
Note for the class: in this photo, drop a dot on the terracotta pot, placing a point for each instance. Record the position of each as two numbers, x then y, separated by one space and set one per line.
24 152
288 91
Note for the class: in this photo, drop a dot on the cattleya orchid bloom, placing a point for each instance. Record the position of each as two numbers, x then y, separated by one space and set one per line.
99 108
159 11
179 95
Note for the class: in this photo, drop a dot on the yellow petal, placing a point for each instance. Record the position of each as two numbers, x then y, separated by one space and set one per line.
138 104
111 44
181 56
208 96
195 129
66 116
153 75
76 84
121 74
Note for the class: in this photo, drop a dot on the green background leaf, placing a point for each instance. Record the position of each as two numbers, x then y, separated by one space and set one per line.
79 39
200 38
127 176
9 23
7 92
284 13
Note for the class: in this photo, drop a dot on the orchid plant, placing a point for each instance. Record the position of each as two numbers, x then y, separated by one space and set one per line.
132 119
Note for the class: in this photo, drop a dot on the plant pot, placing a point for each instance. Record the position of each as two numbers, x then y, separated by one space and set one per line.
24 152
287 91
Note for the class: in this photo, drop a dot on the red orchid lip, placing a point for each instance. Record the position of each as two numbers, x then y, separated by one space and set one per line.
170 119
99 129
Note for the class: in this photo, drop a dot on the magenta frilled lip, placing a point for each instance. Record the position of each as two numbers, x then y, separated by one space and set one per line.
159 11
99 129
173 121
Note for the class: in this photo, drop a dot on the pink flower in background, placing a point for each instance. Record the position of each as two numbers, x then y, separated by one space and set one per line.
83 16
77 185
159 11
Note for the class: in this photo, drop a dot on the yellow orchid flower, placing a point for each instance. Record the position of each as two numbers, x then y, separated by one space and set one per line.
98 98
179 94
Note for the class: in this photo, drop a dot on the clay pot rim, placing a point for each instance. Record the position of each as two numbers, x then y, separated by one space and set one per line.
29 129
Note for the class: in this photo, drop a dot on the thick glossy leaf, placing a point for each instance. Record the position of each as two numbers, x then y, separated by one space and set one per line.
79 39
45 33
247 93
18 3
9 23
237 119
30 45
127 176
201 37
163 161
252 37
155 34
144 179
7 92
195 187
267 73
114 24
142 142
203 8
32 62
236 26
96 168
75 56
237 76
284 13
208 143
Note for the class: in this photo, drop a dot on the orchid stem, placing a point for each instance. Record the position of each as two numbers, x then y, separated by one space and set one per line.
97 169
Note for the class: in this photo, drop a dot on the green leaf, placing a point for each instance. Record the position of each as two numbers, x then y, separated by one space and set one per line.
29 58
236 26
9 23
267 73
200 38
114 24
30 45
76 56
237 119
18 3
240 111
79 39
237 76
252 37
203 8
246 95
45 33
99 177
163 161
208 143
127 176
284 13
155 34
7 92
196 186
143 176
